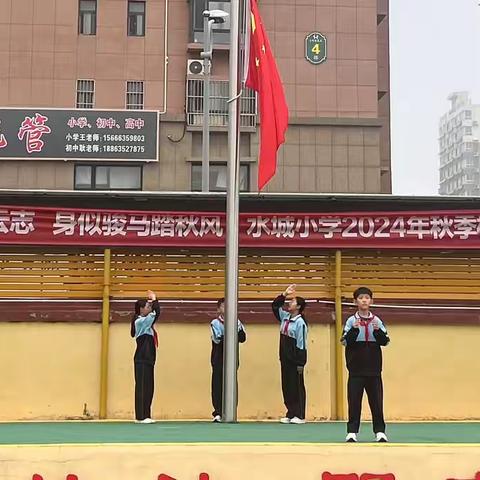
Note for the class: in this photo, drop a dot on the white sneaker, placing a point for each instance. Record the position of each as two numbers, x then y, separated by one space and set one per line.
381 437
285 420
217 419
147 420
298 421
351 438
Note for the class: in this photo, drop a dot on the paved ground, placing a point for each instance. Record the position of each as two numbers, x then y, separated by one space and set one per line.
205 432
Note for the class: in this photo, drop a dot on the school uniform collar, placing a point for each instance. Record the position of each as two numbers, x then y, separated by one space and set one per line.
295 318
368 318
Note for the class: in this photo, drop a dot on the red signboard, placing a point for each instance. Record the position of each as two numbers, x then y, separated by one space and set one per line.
70 226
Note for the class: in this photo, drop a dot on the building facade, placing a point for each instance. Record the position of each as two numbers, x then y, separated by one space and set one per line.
131 54
459 136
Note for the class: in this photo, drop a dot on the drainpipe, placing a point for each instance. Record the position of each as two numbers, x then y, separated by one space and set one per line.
165 61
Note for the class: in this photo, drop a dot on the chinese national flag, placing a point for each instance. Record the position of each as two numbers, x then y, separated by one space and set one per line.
264 78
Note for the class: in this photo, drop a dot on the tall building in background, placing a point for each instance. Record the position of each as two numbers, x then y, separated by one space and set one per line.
128 54
459 137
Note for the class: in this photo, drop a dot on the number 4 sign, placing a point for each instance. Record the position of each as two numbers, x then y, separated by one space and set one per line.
316 48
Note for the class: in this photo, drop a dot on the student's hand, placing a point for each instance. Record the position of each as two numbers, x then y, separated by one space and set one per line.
151 296
375 324
290 290
300 370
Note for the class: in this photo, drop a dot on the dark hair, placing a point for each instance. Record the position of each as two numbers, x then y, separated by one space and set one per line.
362 291
220 301
139 304
301 303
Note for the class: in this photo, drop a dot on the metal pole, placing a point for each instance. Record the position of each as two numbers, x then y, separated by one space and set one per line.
207 56
105 334
230 393
339 391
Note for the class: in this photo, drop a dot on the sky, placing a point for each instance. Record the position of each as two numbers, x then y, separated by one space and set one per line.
434 51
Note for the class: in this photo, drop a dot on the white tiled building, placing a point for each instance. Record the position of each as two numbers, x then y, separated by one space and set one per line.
459 135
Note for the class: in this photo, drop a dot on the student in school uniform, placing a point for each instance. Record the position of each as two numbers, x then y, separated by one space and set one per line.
142 329
293 353
217 327
363 336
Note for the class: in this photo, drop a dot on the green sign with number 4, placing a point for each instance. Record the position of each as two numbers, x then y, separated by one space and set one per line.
316 48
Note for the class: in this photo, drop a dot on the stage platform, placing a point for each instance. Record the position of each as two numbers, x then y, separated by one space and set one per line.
91 450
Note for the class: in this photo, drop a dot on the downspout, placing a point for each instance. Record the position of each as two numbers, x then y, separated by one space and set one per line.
165 61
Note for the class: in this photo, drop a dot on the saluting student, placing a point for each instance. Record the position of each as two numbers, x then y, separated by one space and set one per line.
293 353
142 329
217 327
363 336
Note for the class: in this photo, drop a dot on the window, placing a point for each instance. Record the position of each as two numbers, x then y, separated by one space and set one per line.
218 177
134 100
85 93
218 112
468 114
87 17
220 31
136 18
108 177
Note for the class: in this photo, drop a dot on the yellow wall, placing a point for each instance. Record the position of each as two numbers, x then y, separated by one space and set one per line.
48 370
51 370
433 372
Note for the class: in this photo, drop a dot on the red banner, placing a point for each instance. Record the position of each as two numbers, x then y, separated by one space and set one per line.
72 226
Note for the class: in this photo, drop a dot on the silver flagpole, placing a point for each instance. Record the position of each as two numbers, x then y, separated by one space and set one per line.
230 393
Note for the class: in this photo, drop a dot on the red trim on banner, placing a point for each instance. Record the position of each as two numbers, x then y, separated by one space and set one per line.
100 227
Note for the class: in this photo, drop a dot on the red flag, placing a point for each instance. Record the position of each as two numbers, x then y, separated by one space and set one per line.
264 78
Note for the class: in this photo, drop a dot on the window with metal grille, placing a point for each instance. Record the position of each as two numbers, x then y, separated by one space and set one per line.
108 177
218 177
136 18
85 93
134 99
87 17
218 112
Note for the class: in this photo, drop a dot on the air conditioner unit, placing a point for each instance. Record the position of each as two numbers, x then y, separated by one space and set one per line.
195 67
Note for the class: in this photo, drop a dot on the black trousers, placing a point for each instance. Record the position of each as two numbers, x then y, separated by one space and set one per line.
143 390
217 389
293 389
374 388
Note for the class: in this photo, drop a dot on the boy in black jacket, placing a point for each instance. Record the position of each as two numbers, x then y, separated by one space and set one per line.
364 335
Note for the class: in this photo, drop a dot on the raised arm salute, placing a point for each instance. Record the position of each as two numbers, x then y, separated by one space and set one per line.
142 329
293 353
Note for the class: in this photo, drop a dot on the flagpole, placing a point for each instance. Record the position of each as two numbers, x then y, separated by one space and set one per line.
230 393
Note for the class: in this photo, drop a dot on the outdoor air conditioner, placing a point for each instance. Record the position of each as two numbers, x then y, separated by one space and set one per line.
195 67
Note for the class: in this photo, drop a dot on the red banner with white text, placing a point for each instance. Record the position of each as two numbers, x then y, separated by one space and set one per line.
97 227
